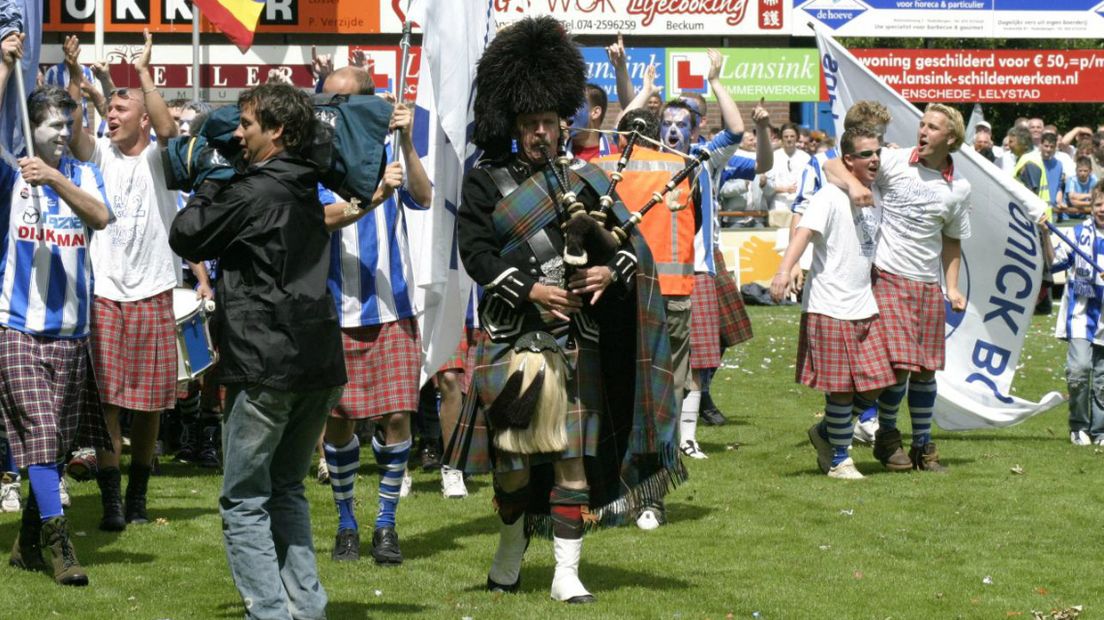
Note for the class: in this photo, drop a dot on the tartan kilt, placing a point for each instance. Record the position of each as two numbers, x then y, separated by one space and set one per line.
705 323
134 352
838 356
463 359
48 397
585 399
735 324
384 364
913 319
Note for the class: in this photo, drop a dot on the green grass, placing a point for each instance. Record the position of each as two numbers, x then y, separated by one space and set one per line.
756 530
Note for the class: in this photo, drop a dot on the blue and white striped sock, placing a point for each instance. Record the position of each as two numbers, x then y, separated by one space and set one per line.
921 401
889 402
392 461
837 423
343 464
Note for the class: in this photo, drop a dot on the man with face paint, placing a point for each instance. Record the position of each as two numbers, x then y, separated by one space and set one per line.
133 328
586 145
48 397
680 129
552 323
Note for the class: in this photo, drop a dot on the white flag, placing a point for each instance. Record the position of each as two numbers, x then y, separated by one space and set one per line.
453 39
1001 263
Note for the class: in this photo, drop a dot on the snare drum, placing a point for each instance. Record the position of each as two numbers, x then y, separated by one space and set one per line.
195 352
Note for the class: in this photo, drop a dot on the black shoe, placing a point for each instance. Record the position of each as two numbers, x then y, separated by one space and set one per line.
431 457
208 448
712 417
385 546
109 480
346 546
582 600
137 485
493 586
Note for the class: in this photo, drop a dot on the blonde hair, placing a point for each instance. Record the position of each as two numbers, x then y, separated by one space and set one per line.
867 112
955 123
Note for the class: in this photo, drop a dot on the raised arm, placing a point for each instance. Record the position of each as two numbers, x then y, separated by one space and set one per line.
616 53
730 114
160 117
80 143
764 154
648 89
11 50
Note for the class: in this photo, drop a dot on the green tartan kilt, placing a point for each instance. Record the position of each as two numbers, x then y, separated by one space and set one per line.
585 402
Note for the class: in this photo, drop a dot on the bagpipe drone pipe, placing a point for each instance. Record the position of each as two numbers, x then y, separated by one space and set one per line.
347 147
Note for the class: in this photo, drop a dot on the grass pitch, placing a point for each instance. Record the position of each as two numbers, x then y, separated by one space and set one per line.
757 532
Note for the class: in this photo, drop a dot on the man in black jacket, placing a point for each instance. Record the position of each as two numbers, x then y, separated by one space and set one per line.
280 347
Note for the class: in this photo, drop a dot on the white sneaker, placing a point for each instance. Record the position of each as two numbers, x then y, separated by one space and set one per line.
864 431
1080 438
647 520
452 483
9 497
63 490
691 449
407 482
845 471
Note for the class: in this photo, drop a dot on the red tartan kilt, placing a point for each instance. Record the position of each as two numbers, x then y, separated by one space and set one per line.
705 324
842 356
913 318
384 364
463 359
134 352
735 324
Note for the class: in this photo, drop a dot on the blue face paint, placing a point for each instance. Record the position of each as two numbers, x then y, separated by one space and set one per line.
674 129
580 120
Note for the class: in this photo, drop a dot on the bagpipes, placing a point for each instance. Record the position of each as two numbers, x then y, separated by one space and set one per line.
584 228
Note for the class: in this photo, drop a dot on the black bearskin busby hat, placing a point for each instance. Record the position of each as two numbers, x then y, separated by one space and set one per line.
531 66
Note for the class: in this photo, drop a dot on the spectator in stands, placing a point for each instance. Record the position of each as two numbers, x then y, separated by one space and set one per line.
1079 190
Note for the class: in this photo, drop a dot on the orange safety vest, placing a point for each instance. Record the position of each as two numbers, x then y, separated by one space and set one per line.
670 234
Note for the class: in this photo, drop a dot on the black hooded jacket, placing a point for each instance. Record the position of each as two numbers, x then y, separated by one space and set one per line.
277 320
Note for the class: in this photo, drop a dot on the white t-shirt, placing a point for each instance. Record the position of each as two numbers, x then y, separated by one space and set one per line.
919 206
131 258
786 171
844 243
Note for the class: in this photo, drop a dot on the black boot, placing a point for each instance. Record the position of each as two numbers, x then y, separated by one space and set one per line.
709 413
27 552
109 480
137 484
209 441
63 558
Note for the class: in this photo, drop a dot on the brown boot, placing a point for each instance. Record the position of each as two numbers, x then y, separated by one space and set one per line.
63 558
26 552
926 458
888 450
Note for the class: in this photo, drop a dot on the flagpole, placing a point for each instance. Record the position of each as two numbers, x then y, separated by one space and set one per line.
1073 246
405 44
195 52
99 36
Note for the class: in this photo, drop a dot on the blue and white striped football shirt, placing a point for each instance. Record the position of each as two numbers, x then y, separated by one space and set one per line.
1079 314
45 267
370 270
812 179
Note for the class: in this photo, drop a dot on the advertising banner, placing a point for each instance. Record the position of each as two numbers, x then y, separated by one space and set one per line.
602 73
383 62
1006 19
647 17
303 16
782 74
990 76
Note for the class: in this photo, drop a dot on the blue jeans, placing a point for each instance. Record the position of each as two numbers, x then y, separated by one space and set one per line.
1085 378
268 438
